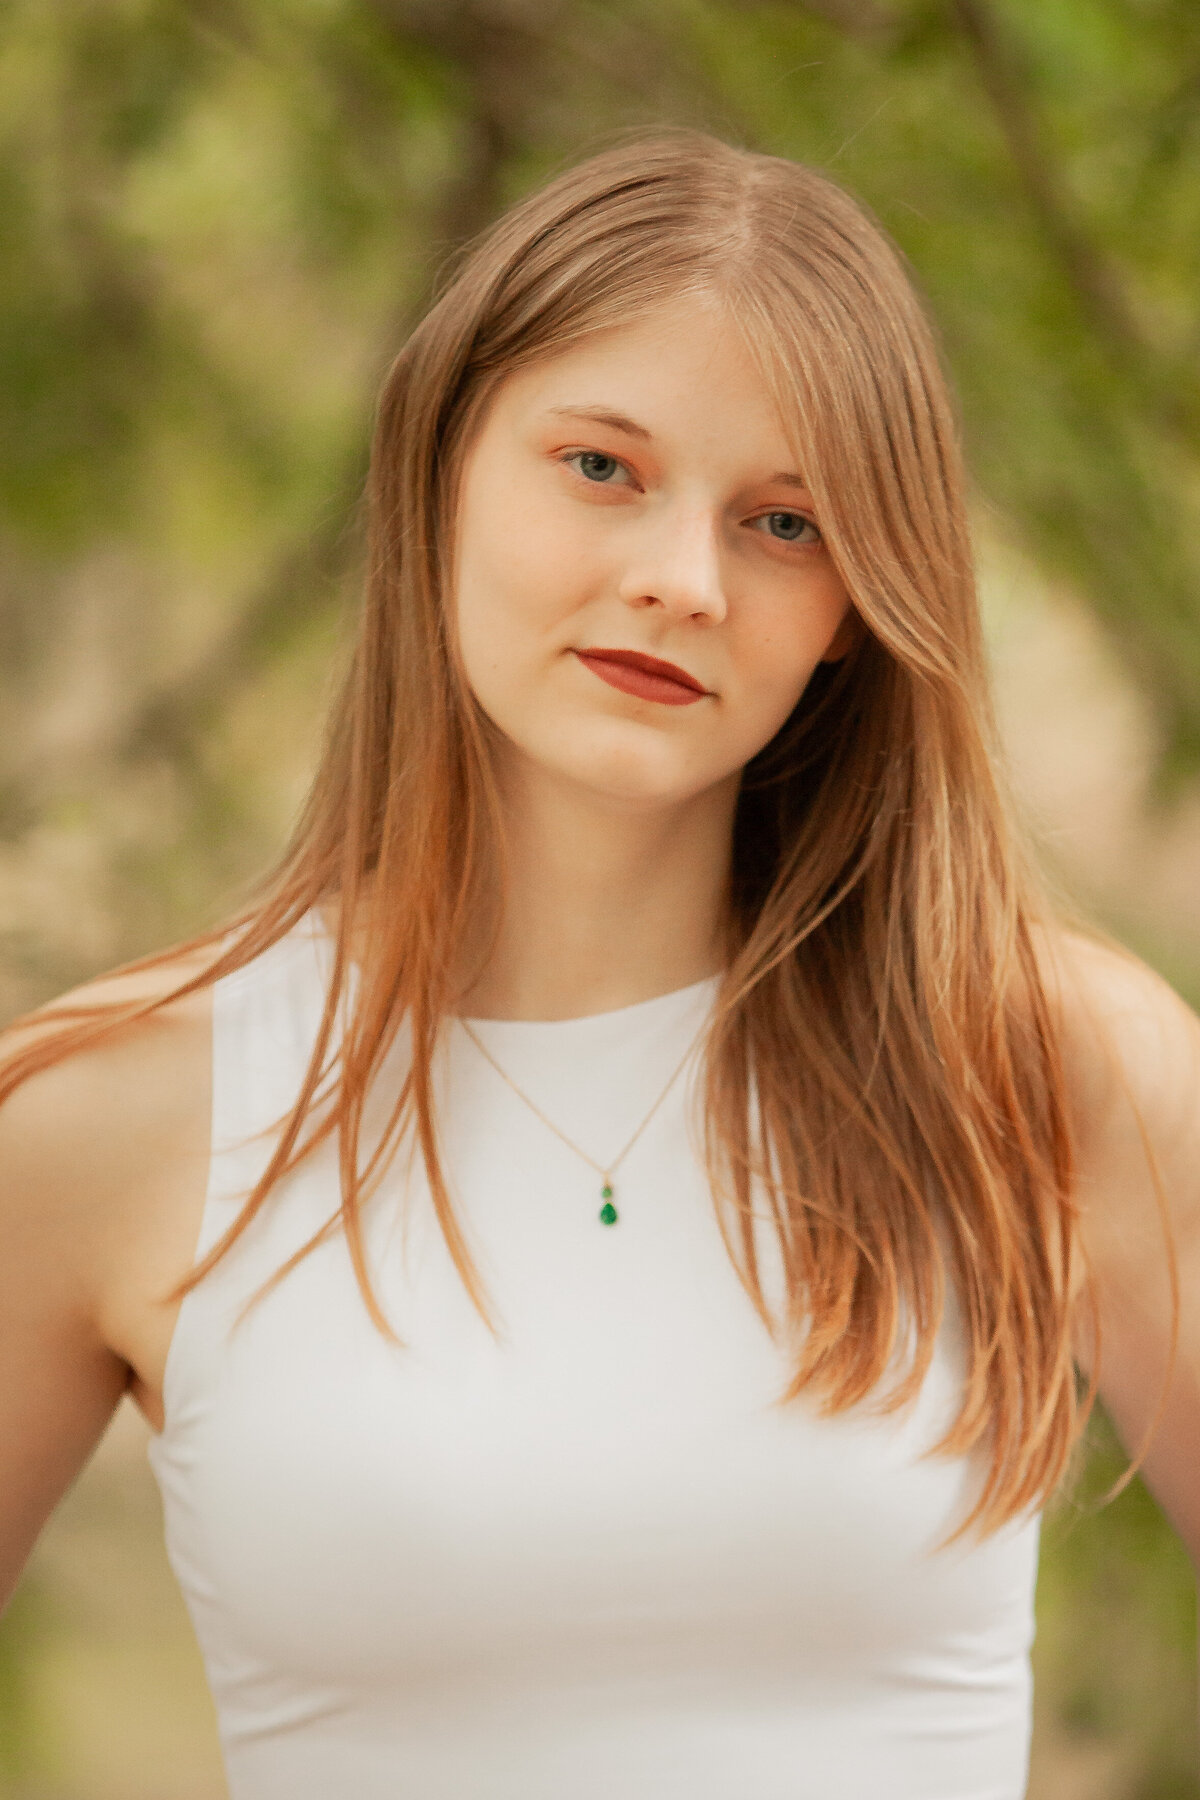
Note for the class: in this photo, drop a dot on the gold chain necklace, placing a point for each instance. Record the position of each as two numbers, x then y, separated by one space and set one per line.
608 1213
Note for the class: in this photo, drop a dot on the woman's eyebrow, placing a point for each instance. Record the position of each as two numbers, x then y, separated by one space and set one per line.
603 415
618 421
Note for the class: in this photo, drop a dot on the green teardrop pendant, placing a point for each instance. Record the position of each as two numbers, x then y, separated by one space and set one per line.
608 1212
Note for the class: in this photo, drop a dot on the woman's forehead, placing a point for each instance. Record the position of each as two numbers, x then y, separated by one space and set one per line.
680 372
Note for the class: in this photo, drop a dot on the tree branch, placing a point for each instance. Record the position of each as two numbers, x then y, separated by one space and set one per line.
1096 283
1167 391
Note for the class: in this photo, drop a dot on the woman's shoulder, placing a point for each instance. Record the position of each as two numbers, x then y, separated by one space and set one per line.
94 1142
103 1160
131 1063
1131 1049
1129 1041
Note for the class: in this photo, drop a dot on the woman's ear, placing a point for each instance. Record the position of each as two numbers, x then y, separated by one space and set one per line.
847 635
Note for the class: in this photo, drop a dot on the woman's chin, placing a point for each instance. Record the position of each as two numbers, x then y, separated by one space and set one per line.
605 762
636 784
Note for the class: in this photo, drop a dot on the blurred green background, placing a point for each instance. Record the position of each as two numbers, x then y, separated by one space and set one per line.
216 221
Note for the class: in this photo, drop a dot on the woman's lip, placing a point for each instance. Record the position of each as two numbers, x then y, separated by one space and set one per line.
648 677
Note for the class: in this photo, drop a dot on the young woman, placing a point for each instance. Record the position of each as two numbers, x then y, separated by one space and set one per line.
606 1241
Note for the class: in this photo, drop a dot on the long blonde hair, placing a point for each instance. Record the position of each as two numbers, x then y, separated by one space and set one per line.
883 1069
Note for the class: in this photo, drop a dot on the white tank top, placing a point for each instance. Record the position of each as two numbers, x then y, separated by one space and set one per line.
590 1561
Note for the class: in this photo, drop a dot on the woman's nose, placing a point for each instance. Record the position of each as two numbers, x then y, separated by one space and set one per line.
677 564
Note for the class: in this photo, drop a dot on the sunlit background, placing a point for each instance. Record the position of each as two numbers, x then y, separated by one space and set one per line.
216 220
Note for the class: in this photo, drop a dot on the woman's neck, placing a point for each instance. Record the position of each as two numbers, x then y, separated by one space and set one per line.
608 905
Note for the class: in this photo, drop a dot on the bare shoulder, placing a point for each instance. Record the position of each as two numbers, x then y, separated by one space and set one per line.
103 1160
1131 1044
71 1132
1132 1052
99 1144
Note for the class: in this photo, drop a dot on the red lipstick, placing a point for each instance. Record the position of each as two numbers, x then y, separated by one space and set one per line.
646 677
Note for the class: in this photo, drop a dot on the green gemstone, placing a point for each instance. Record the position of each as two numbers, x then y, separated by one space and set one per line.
608 1212
606 1192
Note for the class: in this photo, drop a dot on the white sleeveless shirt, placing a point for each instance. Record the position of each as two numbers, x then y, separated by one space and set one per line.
591 1561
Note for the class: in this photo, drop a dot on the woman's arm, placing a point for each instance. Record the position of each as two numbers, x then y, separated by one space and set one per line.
1134 1061
102 1161
59 1382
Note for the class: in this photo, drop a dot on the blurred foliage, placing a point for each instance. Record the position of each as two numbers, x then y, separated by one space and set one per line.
217 219
27 1621
1116 1609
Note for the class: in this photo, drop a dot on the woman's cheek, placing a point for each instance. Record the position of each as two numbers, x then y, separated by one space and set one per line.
781 662
540 570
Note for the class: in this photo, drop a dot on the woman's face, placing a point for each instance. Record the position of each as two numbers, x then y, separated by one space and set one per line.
637 495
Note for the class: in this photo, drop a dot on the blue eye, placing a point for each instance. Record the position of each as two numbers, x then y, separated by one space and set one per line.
594 465
788 526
